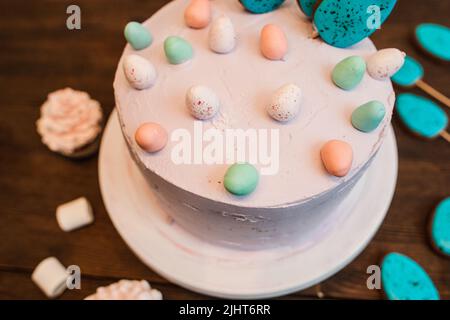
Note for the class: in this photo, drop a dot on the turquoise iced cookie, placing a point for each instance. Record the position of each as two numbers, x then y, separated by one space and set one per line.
137 35
261 6
409 73
345 23
348 73
178 50
368 117
421 115
307 6
404 279
440 227
434 39
241 179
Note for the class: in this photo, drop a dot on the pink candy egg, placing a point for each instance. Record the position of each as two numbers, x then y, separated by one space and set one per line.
273 43
337 157
198 14
151 137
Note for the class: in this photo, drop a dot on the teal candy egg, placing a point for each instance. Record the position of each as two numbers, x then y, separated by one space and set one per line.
261 6
409 73
368 117
178 50
345 23
137 35
434 39
404 279
241 179
440 227
307 6
421 115
348 73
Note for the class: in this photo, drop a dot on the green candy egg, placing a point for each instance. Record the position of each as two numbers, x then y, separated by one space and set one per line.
138 36
241 179
178 50
368 117
349 72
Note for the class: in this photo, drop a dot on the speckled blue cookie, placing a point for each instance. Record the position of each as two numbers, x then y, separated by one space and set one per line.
440 228
404 279
434 39
343 23
411 72
307 6
261 6
421 115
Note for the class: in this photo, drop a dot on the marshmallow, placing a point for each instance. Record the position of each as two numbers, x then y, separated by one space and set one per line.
50 276
126 290
74 214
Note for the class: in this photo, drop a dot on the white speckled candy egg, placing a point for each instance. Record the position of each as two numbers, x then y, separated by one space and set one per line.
202 102
285 104
222 36
385 63
140 73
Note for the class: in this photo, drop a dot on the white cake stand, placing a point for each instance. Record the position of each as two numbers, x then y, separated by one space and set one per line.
199 266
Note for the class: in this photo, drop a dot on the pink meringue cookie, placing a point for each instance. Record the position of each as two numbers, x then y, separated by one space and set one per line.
126 290
70 120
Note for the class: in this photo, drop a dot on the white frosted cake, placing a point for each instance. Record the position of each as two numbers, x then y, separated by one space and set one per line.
295 193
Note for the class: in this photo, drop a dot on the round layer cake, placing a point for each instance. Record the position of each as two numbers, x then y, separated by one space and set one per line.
296 195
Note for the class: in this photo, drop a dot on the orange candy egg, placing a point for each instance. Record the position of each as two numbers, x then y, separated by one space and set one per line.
274 45
198 14
151 137
337 157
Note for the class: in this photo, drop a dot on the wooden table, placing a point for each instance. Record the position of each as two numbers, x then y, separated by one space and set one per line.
38 55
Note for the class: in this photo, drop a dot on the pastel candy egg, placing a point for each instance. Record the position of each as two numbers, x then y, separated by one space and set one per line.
273 42
404 279
241 179
385 63
178 50
137 35
286 102
198 14
411 72
345 23
222 36
307 6
202 102
434 39
261 6
151 137
348 73
337 157
421 115
140 72
440 228
368 117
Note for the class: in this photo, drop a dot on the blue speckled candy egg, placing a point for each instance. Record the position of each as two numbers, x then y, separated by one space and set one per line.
404 279
434 39
421 115
440 227
307 6
411 72
345 23
261 6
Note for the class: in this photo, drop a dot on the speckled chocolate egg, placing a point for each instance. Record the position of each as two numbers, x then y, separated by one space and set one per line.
286 102
202 102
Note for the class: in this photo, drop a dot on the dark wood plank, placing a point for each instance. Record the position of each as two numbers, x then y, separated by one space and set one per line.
39 55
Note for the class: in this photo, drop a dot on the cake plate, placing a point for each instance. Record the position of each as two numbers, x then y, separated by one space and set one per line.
223 272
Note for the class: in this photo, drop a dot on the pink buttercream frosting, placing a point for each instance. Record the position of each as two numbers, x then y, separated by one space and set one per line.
69 120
